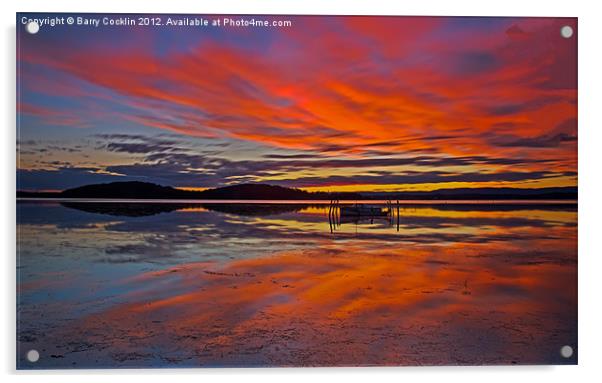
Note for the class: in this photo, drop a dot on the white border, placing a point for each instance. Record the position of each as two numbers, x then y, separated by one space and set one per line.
590 125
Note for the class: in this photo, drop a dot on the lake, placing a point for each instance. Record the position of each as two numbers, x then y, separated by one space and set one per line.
190 284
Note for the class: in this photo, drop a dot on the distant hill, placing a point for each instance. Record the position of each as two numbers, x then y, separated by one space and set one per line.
133 189
146 190
258 191
482 194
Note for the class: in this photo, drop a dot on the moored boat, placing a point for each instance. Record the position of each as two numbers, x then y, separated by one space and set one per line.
363 211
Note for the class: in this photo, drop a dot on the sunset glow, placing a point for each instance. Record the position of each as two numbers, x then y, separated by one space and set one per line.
476 280
314 191
327 104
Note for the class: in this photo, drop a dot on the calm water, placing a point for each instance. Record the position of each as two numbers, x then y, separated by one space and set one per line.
185 284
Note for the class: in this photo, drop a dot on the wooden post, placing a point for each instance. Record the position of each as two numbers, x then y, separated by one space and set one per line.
330 215
397 215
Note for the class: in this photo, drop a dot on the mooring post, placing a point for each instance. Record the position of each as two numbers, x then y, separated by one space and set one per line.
397 215
330 216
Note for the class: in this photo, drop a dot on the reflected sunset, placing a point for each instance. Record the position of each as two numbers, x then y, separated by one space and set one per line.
200 287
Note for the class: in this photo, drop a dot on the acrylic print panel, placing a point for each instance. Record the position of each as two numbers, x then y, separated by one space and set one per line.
244 191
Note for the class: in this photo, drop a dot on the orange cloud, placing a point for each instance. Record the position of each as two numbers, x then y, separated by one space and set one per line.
383 80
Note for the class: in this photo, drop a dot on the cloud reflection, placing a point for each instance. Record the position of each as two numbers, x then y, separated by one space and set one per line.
470 285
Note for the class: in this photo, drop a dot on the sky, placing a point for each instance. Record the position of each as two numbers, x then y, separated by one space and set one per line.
329 103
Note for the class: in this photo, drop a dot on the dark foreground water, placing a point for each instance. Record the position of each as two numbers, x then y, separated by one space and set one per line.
113 285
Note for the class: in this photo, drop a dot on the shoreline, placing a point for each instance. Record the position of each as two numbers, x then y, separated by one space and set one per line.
316 202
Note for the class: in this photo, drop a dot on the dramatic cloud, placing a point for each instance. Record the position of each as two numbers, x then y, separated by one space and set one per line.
308 104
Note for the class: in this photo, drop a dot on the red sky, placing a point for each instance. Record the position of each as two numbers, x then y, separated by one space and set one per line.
329 103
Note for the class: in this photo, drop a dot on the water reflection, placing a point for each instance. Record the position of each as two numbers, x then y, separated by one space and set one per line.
122 285
145 209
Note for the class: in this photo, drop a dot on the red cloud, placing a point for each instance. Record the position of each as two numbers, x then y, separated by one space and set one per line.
51 116
376 83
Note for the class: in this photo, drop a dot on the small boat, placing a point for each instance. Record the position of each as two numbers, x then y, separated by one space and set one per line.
363 211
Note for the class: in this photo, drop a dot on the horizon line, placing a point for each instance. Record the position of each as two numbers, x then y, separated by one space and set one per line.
304 189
